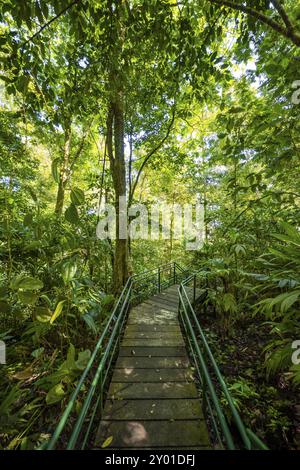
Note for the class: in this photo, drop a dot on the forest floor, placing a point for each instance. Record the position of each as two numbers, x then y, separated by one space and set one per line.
269 407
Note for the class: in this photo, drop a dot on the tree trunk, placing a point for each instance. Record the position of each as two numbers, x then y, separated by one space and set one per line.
121 248
115 131
63 174
115 144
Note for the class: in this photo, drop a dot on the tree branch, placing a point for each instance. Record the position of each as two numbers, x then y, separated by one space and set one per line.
152 152
283 14
75 2
102 179
81 145
284 31
250 206
109 135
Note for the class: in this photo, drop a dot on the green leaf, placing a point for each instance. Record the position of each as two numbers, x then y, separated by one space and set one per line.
46 298
89 320
107 442
55 394
27 297
77 196
70 363
239 249
57 311
22 83
83 359
55 169
286 239
43 314
26 283
229 303
37 352
285 301
71 214
291 231
69 271
289 300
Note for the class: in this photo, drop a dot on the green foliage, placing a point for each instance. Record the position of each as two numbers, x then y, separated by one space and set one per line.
77 196
69 270
57 311
200 117
60 381
26 283
241 390
71 214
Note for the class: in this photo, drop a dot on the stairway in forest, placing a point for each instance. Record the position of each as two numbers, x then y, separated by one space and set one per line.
139 389
152 401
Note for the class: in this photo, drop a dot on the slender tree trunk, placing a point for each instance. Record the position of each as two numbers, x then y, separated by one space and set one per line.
205 216
115 133
115 145
8 231
63 174
171 232
121 248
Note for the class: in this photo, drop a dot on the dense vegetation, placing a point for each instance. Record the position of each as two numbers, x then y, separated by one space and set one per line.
156 100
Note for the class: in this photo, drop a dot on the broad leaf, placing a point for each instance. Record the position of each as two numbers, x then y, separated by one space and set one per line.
83 359
77 196
27 297
26 283
107 442
71 214
57 311
55 394
43 314
55 169
69 270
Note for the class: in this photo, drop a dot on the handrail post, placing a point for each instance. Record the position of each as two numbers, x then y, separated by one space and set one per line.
174 273
194 288
179 301
159 283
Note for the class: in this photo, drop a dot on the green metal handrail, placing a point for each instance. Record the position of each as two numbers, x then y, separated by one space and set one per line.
209 374
94 380
96 374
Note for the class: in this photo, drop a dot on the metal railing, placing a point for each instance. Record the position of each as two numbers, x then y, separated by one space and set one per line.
155 280
212 385
74 428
